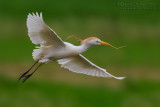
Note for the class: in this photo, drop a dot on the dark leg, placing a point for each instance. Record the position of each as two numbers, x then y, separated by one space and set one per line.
27 76
23 74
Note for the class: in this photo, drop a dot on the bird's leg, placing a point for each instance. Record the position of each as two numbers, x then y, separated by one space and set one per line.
23 74
29 75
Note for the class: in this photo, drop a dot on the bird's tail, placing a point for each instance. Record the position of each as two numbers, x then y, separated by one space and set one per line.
35 53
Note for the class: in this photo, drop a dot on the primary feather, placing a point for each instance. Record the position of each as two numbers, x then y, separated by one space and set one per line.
80 64
40 33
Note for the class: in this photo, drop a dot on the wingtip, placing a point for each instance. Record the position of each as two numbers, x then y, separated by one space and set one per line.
41 15
29 14
33 14
37 14
120 78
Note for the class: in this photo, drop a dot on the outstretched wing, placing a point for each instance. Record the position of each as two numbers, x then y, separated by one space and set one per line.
40 33
80 64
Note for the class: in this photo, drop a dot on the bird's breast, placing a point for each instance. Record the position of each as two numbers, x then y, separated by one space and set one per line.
62 53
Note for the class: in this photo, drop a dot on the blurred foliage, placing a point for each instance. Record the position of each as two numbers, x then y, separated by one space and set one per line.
43 93
133 23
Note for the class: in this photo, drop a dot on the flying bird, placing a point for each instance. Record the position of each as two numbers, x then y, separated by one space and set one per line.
52 48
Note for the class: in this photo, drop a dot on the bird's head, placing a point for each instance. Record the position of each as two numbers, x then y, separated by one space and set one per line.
96 41
91 41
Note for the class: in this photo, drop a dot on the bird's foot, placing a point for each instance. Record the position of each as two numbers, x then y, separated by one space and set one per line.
26 77
22 75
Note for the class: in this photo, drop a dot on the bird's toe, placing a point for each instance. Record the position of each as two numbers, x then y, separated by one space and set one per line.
26 77
22 75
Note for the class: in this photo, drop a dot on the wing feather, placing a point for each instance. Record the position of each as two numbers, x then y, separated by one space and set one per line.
80 64
40 33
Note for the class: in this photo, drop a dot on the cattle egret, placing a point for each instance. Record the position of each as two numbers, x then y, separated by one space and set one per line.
52 48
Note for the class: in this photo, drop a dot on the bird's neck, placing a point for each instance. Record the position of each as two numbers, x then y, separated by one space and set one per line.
84 47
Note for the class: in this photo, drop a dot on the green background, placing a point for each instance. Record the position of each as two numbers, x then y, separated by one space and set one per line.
133 23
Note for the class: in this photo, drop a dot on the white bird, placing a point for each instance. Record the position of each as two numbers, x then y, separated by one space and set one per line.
52 48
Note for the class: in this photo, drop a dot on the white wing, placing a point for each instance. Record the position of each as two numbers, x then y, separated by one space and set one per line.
40 33
80 64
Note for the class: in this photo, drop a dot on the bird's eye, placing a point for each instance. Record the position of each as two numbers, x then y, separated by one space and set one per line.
97 41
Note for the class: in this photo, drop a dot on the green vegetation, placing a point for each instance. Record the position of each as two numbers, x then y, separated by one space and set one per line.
42 93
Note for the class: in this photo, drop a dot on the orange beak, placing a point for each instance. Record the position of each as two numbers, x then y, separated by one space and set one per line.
107 44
